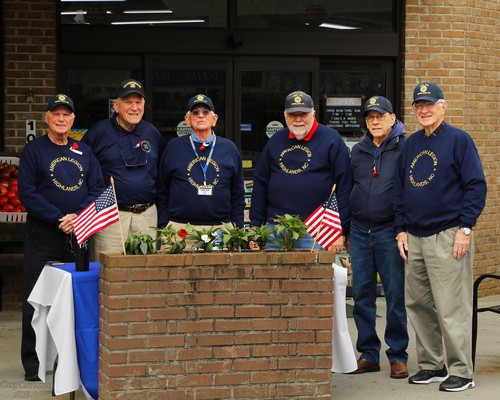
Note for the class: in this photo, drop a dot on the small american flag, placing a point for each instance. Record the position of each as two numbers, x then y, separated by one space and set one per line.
324 223
96 216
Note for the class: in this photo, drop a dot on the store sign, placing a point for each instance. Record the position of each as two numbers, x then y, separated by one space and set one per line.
273 127
183 129
30 130
246 127
343 113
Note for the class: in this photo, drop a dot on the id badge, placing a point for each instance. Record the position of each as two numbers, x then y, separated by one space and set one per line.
205 191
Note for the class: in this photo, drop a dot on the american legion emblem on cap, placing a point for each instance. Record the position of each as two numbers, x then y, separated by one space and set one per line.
297 101
424 89
132 85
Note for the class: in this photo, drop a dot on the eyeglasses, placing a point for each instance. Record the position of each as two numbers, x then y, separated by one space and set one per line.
425 105
136 153
371 118
205 112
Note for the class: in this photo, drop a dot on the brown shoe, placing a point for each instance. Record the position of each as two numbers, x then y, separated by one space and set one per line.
366 366
399 370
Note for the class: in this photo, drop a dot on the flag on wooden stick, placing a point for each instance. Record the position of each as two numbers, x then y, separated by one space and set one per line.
98 215
324 223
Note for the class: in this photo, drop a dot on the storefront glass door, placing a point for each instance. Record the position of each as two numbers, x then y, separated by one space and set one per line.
172 84
260 94
248 95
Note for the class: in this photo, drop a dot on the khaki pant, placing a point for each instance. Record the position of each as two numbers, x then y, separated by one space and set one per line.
111 239
439 302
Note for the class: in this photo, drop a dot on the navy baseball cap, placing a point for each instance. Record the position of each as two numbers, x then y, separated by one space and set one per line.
60 100
298 101
427 91
378 103
129 86
200 99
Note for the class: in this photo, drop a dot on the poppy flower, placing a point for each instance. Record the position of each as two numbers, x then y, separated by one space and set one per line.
74 145
182 233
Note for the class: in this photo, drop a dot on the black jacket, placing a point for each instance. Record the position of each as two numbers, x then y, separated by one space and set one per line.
373 172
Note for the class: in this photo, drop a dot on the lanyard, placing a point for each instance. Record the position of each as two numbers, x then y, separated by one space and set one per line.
204 169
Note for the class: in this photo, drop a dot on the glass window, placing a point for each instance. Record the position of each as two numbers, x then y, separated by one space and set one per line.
317 14
172 89
342 97
192 13
262 105
93 90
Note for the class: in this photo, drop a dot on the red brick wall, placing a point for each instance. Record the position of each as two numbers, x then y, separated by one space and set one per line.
457 45
29 59
216 326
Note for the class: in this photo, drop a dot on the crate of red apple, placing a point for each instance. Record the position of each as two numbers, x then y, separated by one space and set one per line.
11 209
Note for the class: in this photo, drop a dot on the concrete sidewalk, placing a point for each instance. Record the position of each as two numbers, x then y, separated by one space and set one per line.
378 385
370 386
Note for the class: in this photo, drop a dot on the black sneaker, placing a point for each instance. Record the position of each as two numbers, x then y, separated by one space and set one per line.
456 384
428 376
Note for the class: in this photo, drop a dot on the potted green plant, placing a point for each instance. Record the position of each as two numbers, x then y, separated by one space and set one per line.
262 235
289 228
205 239
173 241
140 243
235 238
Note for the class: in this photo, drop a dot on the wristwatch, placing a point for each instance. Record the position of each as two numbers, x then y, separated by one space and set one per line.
467 231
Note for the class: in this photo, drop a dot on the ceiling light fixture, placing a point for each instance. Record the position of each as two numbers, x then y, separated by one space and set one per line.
336 26
73 12
185 21
93 1
147 12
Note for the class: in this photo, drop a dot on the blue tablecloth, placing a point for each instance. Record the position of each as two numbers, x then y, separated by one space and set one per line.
86 303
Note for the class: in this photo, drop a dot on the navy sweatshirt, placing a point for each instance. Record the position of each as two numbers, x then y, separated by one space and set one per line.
296 176
57 180
180 176
440 183
131 158
373 170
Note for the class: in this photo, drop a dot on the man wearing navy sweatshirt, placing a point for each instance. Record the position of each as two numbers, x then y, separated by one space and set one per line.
439 193
128 149
372 246
297 170
200 175
58 178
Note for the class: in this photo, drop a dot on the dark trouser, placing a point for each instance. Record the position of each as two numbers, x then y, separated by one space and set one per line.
42 243
373 252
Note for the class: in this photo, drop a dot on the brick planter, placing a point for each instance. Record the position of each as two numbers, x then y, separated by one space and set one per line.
216 326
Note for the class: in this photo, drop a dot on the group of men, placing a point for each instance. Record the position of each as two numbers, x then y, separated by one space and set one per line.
414 203
401 200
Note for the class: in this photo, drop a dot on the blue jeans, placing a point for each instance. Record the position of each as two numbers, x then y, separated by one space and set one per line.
373 252
305 243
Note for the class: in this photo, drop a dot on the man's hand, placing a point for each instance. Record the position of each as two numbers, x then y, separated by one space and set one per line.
66 223
253 245
460 245
402 239
337 246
